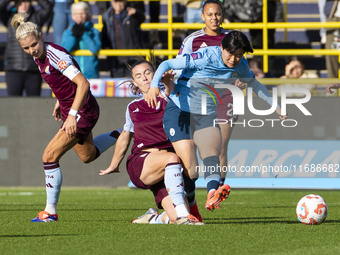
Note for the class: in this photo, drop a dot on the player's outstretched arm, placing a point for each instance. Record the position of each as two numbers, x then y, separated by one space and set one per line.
332 86
262 92
240 84
122 146
165 66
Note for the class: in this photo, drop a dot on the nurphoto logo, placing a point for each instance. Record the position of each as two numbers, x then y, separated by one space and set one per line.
239 105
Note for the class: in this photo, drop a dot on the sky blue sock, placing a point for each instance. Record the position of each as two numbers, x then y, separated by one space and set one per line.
212 174
174 183
54 179
105 141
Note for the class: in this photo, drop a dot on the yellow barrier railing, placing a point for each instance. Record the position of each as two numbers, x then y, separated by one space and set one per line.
264 25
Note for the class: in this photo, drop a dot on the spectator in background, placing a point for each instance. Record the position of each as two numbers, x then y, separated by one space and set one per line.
332 11
61 18
82 35
295 69
256 66
251 11
323 18
22 74
193 11
121 31
139 6
154 38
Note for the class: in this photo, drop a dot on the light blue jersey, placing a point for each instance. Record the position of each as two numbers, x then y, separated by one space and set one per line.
205 63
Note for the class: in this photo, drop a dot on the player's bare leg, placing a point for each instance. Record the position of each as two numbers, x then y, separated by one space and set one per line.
155 164
208 141
226 131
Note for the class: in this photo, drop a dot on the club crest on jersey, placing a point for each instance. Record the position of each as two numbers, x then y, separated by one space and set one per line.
172 131
62 64
47 70
196 55
235 74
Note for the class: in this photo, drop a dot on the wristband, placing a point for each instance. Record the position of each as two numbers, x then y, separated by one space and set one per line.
73 112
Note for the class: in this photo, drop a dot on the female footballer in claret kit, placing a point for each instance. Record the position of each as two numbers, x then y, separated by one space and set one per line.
75 106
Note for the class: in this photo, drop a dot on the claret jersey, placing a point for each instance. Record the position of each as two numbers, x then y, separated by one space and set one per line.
147 124
58 69
199 39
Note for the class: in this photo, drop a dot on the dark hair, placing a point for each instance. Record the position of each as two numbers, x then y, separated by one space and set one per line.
255 61
139 60
290 59
142 61
212 2
18 2
235 40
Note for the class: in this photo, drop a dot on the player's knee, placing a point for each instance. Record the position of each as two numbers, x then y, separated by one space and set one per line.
49 156
173 158
87 158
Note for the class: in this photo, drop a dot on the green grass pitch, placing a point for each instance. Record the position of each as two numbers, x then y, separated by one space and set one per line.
97 221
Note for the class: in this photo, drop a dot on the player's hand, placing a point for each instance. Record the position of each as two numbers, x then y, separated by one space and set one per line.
241 85
282 117
70 126
109 170
151 97
168 77
332 86
56 112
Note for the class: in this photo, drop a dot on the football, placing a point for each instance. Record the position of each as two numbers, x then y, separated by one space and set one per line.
311 210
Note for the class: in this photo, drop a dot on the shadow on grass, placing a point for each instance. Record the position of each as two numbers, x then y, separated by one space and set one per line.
73 209
331 222
259 220
4 236
102 209
249 220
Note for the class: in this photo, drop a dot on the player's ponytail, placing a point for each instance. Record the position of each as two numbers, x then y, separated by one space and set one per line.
23 28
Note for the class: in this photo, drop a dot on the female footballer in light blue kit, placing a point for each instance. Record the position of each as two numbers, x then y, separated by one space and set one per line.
216 62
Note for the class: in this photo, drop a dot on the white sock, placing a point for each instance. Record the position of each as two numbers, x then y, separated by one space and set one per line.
105 141
51 209
174 184
181 210
53 178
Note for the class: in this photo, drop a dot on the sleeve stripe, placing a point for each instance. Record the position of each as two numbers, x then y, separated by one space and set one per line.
193 35
52 57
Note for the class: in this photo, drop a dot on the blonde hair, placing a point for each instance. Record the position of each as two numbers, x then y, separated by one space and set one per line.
23 28
82 6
